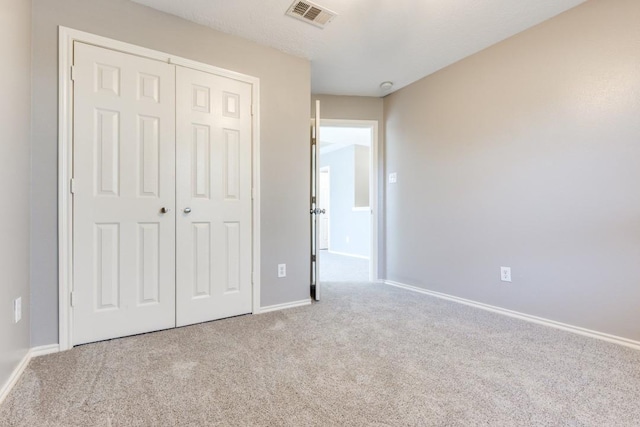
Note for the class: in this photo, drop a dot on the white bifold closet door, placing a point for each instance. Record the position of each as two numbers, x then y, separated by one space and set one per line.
124 165
162 195
213 152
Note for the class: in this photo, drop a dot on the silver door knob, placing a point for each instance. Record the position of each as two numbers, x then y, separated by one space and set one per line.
187 210
164 210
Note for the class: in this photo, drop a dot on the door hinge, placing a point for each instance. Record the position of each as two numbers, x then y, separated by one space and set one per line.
253 110
313 199
73 72
313 142
313 258
72 186
72 299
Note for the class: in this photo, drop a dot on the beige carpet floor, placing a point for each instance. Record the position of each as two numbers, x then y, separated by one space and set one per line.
340 268
368 354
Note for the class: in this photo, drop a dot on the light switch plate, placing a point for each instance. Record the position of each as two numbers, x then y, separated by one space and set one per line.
393 177
17 309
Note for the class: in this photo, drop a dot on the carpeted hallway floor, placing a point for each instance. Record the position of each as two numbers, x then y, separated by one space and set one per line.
340 268
368 354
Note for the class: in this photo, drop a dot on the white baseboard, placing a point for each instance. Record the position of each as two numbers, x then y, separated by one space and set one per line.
44 350
17 372
284 306
15 376
523 316
349 255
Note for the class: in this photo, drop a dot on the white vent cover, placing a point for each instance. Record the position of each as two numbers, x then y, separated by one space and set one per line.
311 13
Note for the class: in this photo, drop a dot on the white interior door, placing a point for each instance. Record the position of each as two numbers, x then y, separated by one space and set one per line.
213 155
315 204
325 191
124 163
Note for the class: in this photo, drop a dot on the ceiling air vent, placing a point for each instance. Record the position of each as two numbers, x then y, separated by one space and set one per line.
311 13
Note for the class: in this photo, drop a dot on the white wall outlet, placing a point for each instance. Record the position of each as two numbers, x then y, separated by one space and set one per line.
282 270
393 177
505 274
17 309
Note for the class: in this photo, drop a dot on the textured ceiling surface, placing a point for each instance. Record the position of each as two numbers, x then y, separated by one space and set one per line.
371 41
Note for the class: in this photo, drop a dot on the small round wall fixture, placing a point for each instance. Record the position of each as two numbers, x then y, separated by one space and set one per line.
386 86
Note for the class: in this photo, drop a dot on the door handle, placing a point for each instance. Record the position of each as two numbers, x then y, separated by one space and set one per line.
317 211
164 210
187 210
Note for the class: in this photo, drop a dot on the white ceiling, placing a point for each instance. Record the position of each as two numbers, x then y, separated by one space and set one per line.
371 41
336 138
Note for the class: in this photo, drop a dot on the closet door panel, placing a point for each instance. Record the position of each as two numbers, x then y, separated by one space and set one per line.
124 175
213 150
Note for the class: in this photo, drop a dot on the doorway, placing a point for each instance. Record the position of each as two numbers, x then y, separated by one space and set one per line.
347 226
325 208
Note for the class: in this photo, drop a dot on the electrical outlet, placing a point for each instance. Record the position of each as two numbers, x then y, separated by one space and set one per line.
282 270
17 309
393 177
505 274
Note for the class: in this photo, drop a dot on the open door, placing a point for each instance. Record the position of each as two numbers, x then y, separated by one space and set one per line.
315 204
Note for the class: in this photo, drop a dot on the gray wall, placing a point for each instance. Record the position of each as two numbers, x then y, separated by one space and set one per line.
15 87
350 108
362 108
285 100
362 164
526 155
343 221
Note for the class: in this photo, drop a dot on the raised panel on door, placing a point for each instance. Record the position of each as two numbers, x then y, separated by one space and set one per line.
107 261
213 157
124 167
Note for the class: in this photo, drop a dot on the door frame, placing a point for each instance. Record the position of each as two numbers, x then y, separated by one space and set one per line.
66 38
373 185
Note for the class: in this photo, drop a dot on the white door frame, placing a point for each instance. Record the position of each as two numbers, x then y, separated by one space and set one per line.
373 184
66 38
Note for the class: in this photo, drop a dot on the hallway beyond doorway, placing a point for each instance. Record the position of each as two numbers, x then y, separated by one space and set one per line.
342 268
